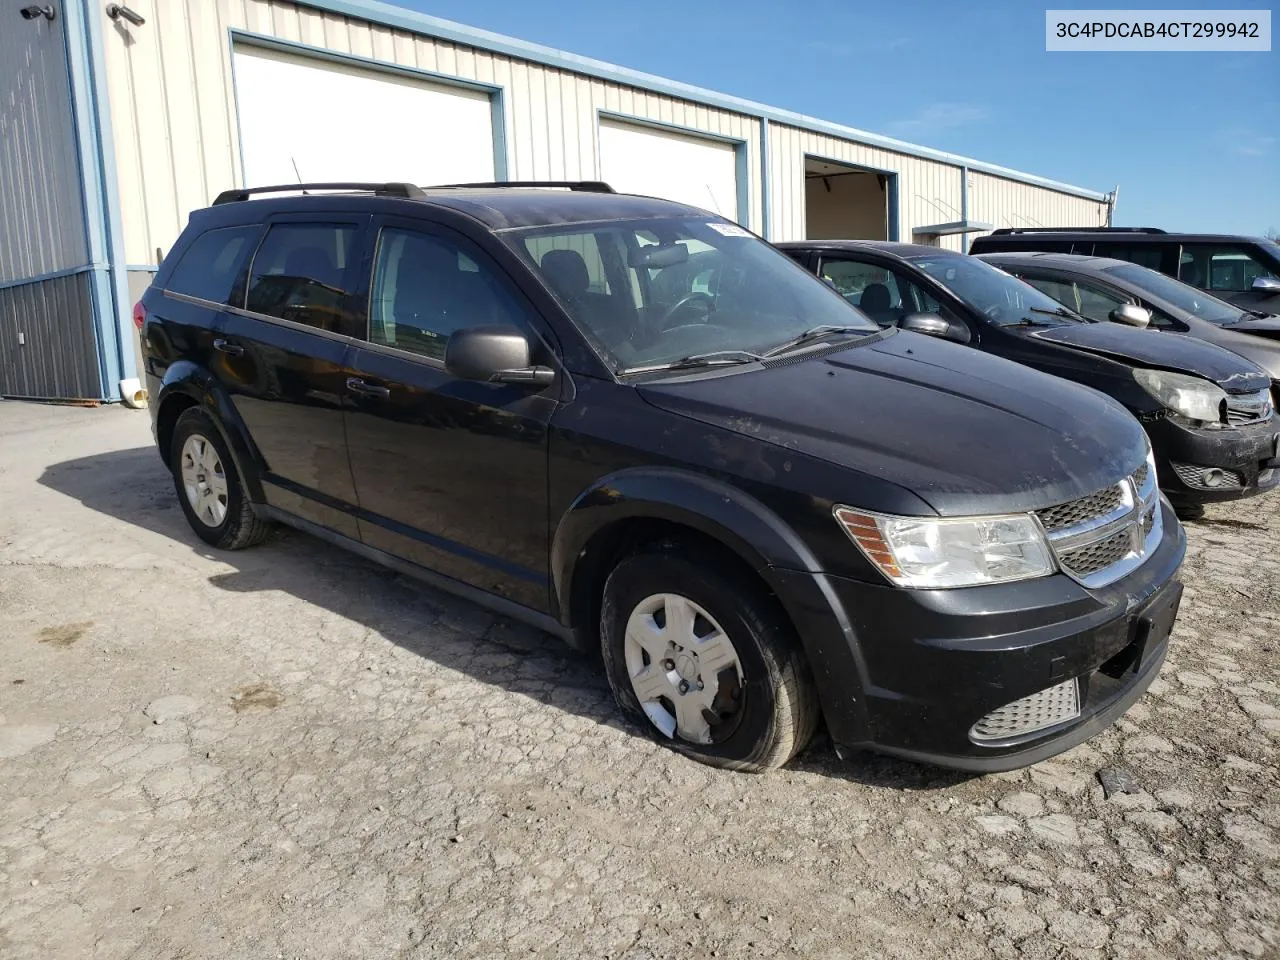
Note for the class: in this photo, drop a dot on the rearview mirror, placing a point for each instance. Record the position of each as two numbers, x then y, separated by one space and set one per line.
495 355
657 256
1131 315
933 325
1265 285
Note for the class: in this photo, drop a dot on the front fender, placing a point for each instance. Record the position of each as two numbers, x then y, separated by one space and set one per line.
190 381
710 506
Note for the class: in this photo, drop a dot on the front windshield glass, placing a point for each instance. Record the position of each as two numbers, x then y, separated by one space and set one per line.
657 291
1003 299
1181 295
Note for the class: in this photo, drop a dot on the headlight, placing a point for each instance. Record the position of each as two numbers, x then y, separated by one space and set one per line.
1194 398
921 552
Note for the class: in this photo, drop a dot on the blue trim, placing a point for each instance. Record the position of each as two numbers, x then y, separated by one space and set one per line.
766 217
740 159
108 286
390 16
964 207
495 92
52 275
891 199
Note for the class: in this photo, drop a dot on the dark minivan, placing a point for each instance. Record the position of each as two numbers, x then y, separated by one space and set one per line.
1208 411
1243 270
636 425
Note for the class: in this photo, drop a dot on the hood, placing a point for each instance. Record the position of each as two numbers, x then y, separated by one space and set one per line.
1155 348
1260 350
965 431
1268 326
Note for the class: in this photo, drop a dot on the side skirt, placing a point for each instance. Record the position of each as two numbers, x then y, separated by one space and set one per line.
500 605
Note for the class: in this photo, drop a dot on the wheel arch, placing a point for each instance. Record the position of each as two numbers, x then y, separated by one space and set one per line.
624 510
188 385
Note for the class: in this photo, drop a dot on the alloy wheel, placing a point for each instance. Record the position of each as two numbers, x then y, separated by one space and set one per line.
204 480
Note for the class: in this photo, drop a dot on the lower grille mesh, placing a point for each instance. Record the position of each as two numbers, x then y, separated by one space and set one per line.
1193 476
1047 708
1098 556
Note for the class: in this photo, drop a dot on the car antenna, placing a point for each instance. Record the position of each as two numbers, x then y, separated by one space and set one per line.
297 174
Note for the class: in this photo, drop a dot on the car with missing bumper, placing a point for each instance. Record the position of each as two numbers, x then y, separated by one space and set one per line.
1208 411
636 425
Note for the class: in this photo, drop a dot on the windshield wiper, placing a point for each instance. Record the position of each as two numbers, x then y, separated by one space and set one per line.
713 358
812 335
1033 322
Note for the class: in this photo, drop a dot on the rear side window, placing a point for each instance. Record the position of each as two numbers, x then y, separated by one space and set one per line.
209 267
1149 255
299 271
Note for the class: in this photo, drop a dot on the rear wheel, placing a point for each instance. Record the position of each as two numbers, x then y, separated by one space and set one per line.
208 486
705 661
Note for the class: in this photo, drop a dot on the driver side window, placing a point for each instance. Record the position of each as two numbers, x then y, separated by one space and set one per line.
872 288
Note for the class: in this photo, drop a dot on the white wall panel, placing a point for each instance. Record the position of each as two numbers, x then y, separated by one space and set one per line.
317 120
660 163
1007 203
42 226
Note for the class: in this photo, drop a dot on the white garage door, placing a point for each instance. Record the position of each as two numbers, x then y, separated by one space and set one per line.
315 120
659 163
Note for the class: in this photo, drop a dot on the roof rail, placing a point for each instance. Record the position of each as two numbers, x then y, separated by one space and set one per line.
579 186
1008 230
404 190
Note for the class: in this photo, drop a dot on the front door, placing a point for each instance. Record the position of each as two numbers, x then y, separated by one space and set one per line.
451 474
281 358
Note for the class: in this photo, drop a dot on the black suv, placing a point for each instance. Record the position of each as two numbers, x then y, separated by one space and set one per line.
1242 270
1208 411
636 425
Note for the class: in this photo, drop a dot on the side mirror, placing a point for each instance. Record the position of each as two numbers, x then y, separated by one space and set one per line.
933 325
1265 285
494 355
1130 315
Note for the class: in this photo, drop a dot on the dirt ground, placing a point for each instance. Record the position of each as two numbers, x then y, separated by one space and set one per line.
291 752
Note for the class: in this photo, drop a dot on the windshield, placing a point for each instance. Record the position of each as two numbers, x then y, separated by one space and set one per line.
1003 299
1181 295
654 292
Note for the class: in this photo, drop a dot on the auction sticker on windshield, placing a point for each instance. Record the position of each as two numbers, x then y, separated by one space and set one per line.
729 229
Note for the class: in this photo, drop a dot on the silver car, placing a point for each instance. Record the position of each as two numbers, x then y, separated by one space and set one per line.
1104 289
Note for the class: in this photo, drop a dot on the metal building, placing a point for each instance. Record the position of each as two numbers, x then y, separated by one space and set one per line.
117 120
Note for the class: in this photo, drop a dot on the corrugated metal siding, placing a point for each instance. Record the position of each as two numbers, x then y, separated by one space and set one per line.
41 218
1007 203
173 106
59 358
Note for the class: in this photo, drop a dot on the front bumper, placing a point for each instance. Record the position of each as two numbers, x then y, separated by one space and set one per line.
909 672
1245 455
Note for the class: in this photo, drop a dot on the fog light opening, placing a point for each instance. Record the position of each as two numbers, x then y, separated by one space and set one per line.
1214 477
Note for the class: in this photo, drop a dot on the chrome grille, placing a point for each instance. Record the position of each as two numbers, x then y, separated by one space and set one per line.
1098 555
1246 408
1194 476
1047 708
1099 538
1082 510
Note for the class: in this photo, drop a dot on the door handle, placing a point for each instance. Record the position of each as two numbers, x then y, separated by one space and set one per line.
231 349
358 386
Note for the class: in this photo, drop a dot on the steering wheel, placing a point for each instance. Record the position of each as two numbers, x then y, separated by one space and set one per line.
687 300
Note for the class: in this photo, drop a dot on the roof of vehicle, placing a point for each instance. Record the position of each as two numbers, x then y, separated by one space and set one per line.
906 251
1149 234
498 207
1079 263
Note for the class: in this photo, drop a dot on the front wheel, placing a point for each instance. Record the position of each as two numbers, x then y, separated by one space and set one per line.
704 660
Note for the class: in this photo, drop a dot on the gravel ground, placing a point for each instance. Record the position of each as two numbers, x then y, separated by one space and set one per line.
291 752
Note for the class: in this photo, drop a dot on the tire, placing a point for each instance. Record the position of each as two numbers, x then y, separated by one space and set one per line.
759 692
208 486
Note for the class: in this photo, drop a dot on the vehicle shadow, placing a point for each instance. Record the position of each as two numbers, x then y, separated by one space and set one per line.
134 487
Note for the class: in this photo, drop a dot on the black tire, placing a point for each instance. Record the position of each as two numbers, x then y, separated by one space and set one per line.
240 527
778 711
1187 510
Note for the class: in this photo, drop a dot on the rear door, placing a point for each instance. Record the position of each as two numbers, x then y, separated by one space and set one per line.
281 357
451 474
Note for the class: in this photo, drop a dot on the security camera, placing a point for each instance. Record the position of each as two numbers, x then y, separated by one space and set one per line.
117 10
35 10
